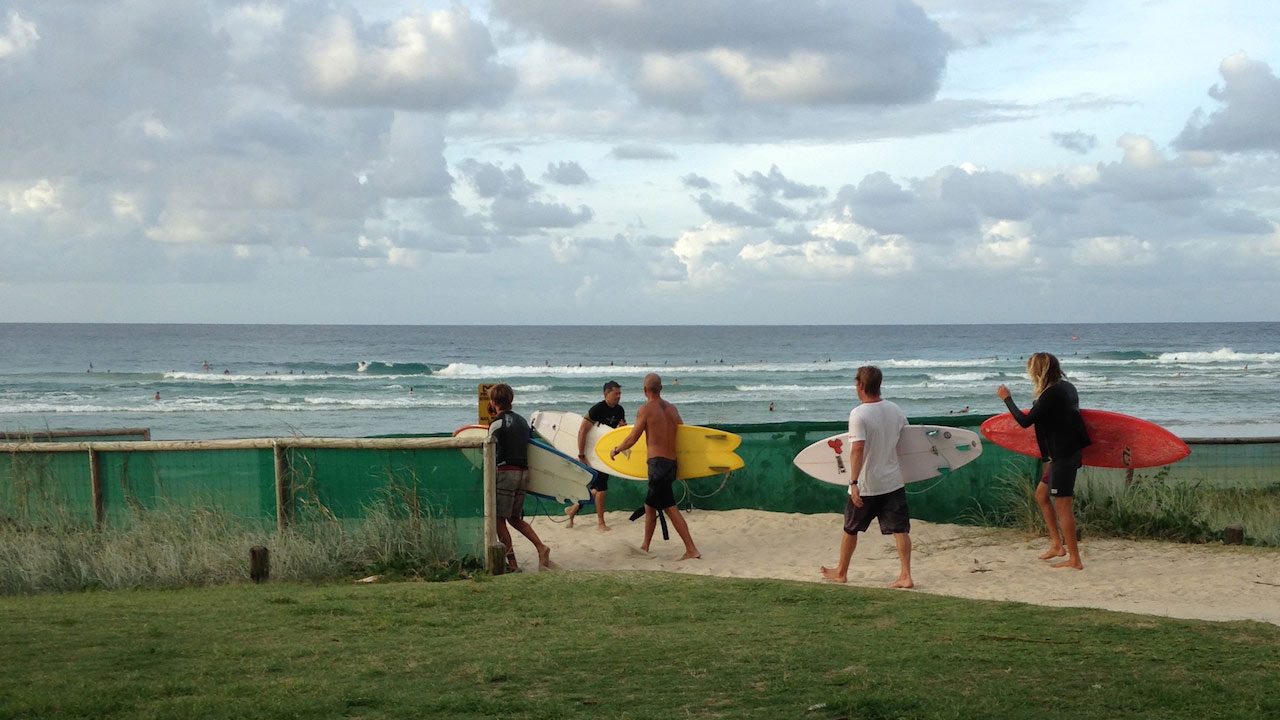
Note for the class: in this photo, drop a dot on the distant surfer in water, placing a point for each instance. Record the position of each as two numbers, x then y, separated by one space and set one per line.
657 420
511 434
606 412
1062 438
876 488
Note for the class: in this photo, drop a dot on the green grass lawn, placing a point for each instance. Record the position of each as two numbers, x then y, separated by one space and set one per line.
634 645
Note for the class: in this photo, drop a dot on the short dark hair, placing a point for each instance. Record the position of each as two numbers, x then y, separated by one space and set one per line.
870 377
611 385
502 395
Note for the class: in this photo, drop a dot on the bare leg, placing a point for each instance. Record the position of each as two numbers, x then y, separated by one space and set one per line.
1067 516
1050 522
572 512
504 535
840 573
599 495
903 541
544 552
682 529
650 522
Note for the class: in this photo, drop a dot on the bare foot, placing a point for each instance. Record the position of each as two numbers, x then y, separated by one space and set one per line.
830 575
1053 553
1076 564
903 583
690 556
603 528
571 511
544 557
644 548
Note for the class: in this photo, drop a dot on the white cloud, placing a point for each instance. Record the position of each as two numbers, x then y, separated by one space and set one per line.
439 61
40 197
19 36
1117 252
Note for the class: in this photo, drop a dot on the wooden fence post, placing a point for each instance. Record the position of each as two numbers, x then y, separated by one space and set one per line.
283 499
259 564
495 555
95 482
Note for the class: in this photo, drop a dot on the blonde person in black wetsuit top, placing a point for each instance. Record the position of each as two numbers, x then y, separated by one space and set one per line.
1062 438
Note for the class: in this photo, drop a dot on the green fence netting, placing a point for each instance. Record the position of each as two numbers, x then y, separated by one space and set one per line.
334 485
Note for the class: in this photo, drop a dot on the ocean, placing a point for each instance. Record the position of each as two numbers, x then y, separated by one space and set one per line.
222 381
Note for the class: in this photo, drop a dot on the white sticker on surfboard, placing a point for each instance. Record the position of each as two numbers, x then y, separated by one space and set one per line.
924 452
560 430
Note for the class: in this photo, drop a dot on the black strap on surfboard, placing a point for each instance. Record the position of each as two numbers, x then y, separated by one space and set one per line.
662 520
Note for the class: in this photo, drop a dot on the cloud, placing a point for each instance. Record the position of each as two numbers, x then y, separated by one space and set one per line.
775 183
694 181
641 152
729 213
1126 251
1247 120
439 61
566 173
697 57
18 37
513 206
1076 141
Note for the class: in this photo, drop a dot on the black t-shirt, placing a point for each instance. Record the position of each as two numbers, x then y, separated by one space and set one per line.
612 416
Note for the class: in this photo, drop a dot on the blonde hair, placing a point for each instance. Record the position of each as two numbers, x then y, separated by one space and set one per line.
1044 370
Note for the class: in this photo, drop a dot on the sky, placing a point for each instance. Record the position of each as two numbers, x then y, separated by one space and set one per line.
639 162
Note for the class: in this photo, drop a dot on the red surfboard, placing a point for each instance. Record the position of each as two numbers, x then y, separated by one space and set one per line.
1119 441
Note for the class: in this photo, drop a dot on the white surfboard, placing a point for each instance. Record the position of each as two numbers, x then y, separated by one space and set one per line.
551 473
924 451
560 429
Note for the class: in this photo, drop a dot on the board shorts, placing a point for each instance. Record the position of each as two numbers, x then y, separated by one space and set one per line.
890 508
600 484
662 476
512 484
1060 476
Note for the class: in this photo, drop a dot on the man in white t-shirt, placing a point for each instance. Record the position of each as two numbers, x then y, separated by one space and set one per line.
876 489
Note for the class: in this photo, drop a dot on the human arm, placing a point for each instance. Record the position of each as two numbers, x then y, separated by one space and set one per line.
1026 419
642 421
583 429
857 455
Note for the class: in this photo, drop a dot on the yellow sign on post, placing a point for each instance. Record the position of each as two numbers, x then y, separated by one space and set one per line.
486 417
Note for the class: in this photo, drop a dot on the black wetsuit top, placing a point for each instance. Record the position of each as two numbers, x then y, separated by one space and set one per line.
512 434
1059 426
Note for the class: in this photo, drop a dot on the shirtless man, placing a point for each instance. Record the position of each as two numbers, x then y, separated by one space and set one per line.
657 420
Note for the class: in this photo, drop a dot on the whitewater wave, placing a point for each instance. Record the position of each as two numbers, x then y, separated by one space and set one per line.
1221 355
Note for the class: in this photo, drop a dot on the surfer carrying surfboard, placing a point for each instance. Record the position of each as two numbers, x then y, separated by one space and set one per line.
511 436
657 421
1061 435
876 487
606 412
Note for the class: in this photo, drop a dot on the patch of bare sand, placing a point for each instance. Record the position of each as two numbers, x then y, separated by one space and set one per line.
1207 582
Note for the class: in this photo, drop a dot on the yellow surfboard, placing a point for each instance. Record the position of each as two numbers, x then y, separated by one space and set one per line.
700 452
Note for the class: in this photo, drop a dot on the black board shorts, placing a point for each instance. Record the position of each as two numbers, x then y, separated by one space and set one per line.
1060 476
662 476
600 483
890 508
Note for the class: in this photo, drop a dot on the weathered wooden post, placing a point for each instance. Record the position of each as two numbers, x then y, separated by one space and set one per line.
259 564
282 486
495 557
1233 535
95 482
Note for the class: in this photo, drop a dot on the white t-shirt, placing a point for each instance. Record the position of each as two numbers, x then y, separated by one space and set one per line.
878 424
